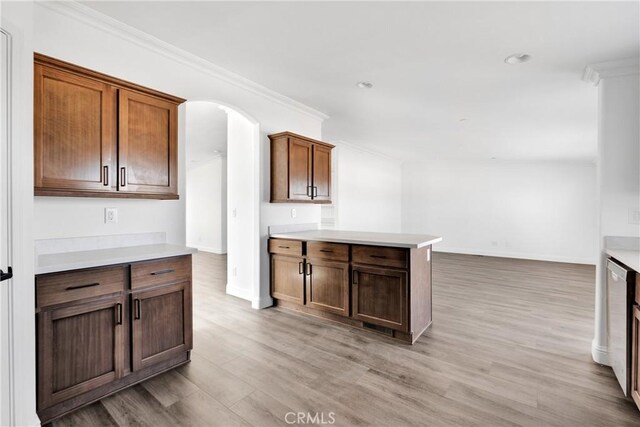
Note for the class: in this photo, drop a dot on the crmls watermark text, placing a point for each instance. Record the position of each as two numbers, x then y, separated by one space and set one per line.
319 418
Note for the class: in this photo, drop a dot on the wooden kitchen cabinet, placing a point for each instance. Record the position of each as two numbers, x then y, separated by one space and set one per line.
380 296
99 136
75 144
635 355
287 278
161 325
327 285
300 169
80 347
103 329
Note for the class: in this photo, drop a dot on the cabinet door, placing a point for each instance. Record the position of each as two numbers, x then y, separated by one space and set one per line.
379 296
328 286
161 325
80 348
300 169
74 132
321 173
148 144
635 356
287 278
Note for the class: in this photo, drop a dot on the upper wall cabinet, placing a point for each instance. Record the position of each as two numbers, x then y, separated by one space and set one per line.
98 136
300 169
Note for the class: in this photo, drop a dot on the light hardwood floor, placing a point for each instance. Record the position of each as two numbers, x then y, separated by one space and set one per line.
510 345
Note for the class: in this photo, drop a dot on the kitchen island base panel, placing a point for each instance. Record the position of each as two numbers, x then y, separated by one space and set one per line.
408 338
52 413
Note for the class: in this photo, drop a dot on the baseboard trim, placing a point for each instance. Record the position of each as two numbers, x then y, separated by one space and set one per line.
600 354
533 257
260 303
240 292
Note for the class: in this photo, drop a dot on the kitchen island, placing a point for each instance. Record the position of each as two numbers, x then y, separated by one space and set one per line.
375 281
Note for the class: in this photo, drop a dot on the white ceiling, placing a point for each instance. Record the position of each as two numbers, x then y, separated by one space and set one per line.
431 63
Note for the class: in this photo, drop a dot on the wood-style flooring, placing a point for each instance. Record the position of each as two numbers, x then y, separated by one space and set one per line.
510 345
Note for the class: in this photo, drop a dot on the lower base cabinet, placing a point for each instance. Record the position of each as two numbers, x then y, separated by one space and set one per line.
102 329
380 297
635 355
378 288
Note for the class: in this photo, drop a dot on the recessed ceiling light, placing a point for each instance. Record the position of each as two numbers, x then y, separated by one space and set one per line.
364 85
517 58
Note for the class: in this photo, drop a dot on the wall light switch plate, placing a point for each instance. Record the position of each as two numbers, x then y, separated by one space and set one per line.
293 213
110 215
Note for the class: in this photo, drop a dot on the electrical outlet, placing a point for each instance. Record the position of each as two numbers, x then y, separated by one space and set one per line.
293 213
234 213
634 216
110 215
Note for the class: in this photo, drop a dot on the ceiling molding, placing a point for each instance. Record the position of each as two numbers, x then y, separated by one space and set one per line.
623 67
126 32
341 143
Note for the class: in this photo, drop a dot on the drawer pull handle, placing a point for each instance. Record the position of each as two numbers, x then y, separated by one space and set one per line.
161 272
378 256
328 251
309 269
89 285
118 314
300 267
284 247
136 309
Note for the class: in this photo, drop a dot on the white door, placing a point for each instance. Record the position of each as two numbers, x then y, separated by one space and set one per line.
6 380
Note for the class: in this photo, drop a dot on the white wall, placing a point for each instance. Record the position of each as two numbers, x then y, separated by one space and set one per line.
206 204
367 191
537 210
618 180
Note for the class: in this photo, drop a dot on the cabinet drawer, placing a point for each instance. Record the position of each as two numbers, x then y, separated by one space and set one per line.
160 271
323 250
58 288
285 247
376 255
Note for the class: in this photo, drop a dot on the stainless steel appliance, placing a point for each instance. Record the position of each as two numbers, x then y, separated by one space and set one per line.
620 288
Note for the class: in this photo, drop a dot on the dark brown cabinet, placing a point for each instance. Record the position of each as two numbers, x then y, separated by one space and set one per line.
80 349
102 329
161 324
98 136
635 354
327 284
386 289
380 296
300 169
287 278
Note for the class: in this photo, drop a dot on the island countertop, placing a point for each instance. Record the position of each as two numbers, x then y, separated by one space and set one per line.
398 240
630 258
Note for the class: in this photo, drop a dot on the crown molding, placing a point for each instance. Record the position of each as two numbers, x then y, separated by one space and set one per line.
105 23
593 73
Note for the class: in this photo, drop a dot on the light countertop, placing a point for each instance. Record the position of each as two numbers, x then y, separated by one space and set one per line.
398 240
54 262
630 258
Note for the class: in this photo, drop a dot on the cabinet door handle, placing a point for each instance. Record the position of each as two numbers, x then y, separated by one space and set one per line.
300 267
88 285
123 176
309 269
309 191
355 277
105 175
118 314
161 272
314 192
136 309
378 256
